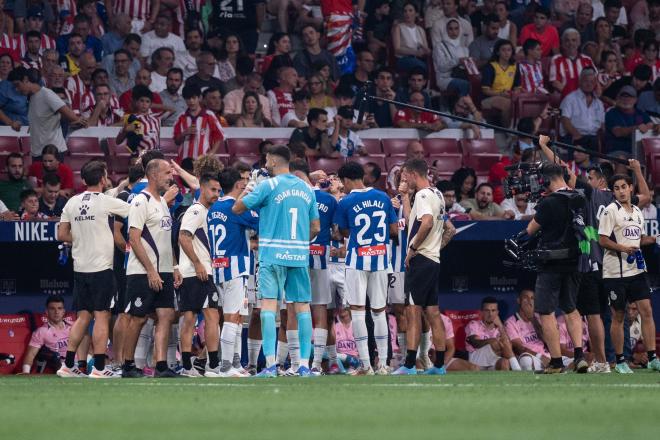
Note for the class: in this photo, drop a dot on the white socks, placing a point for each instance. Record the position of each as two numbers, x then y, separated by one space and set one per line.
282 352
332 354
401 342
380 334
424 345
513 362
144 344
320 339
254 347
294 349
227 342
361 336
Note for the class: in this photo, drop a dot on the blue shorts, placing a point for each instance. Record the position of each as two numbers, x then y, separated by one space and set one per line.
274 280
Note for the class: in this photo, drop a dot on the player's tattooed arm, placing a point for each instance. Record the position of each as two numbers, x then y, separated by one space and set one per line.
447 234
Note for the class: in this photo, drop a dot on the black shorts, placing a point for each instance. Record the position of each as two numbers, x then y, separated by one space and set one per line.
120 276
592 297
556 289
94 291
422 282
143 300
627 290
195 295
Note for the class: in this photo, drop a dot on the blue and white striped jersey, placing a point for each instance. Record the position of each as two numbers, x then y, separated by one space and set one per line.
399 249
319 249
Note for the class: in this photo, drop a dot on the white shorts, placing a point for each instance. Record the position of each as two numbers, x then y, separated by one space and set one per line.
395 293
321 289
361 283
234 296
484 357
253 298
337 284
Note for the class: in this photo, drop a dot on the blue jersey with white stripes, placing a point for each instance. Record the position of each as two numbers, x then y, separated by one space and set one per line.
230 240
337 245
399 248
367 214
319 249
286 205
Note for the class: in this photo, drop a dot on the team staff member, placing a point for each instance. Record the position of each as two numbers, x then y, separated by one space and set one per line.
621 235
86 219
422 278
152 273
198 293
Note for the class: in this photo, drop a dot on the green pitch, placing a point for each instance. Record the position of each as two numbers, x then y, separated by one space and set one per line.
457 406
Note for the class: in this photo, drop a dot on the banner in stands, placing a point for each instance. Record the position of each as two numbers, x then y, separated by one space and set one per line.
27 231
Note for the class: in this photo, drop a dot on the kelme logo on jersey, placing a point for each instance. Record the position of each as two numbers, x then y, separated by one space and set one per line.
83 214
166 223
632 232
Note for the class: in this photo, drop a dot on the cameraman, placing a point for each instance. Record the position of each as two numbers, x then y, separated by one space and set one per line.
558 280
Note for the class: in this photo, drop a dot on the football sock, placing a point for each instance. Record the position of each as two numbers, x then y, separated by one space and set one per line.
401 342
411 358
305 335
332 354
161 366
577 353
144 343
439 359
254 346
651 355
380 334
424 344
70 359
185 360
269 335
213 360
320 339
361 336
282 352
620 359
513 363
238 346
172 345
526 363
129 364
99 361
556 363
82 365
293 339
227 341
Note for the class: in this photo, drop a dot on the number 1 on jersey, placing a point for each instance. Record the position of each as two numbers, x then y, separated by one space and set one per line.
294 222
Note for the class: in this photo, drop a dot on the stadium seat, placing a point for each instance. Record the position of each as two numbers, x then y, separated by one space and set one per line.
477 146
446 164
41 319
25 144
481 162
396 147
119 164
117 150
650 146
247 160
391 162
84 146
279 141
435 146
15 334
654 169
169 147
78 183
10 144
459 319
243 146
363 160
326 164
373 147
77 162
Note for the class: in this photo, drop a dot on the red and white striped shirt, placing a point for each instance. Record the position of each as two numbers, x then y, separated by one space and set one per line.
46 43
77 87
136 9
207 132
567 71
281 103
113 114
29 63
150 131
65 23
531 76
8 45
178 24
572 166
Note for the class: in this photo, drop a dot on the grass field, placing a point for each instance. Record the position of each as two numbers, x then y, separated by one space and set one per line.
457 406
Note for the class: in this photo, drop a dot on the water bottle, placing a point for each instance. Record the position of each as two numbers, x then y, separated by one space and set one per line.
638 257
63 256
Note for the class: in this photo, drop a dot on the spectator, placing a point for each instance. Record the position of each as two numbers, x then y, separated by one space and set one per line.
213 101
96 26
45 111
263 148
279 56
434 12
11 188
36 15
342 138
120 79
251 82
507 29
486 340
581 162
30 206
640 37
409 40
372 173
417 82
197 132
312 53
565 68
81 28
281 97
409 118
622 121
454 210
187 61
142 133
6 21
131 44
51 203
582 22
522 209
379 28
79 83
251 112
70 60
439 28
482 207
542 31
524 332
384 113
204 78
566 342
363 69
640 81
649 101
104 109
463 106
613 11
638 357
143 78
583 114
448 56
481 49
314 136
246 22
603 43
50 164
49 60
650 58
232 50
500 78
319 97
6 65
162 60
13 105
346 346
609 70
414 150
56 81
298 117
464 180
113 40
161 37
530 69
32 57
